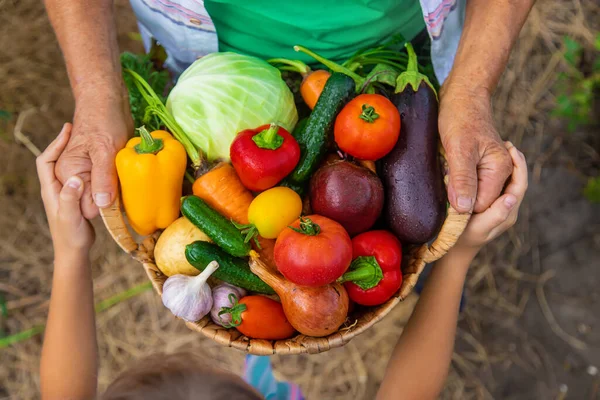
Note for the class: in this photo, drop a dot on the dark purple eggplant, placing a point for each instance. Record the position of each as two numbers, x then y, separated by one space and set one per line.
411 174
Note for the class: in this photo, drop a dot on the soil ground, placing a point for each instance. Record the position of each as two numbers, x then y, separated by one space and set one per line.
530 328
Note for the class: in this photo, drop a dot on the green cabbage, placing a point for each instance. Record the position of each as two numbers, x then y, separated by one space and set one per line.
222 94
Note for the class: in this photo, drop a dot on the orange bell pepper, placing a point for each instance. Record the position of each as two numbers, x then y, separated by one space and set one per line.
151 169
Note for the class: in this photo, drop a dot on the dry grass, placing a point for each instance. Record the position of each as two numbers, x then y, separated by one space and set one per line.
499 287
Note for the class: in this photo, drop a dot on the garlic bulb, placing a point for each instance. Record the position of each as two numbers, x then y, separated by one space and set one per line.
221 298
189 297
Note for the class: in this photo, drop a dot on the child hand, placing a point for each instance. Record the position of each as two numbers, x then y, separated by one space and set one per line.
502 214
71 233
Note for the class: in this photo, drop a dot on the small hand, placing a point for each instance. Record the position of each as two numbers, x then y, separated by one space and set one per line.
71 232
502 214
479 164
100 130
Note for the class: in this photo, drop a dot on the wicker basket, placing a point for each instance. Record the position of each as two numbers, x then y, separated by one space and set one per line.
357 322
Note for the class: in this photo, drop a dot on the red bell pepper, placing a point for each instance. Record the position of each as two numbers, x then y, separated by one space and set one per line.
264 156
374 275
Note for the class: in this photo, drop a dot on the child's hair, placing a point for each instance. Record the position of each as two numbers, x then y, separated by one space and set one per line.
180 376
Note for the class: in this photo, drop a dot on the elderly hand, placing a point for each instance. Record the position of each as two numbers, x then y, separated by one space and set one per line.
478 160
100 129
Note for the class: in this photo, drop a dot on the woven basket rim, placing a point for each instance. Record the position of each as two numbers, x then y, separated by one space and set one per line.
357 322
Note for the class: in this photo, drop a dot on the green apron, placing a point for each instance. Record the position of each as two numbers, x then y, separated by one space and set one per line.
336 29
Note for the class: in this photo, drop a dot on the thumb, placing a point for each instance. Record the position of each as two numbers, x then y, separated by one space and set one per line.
462 188
498 212
70 195
104 178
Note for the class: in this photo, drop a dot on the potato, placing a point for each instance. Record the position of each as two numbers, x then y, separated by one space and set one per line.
169 253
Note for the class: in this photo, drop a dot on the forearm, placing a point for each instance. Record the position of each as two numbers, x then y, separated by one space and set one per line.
86 31
420 361
490 31
69 356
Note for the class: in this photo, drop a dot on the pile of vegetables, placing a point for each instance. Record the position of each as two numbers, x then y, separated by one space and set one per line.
287 224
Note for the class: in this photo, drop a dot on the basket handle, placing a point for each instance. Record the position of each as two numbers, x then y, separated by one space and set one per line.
453 226
115 224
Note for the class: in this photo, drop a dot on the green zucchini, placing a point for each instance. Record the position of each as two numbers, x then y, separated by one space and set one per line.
215 226
231 269
315 137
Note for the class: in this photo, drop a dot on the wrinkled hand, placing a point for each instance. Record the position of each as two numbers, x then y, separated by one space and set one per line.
100 130
478 161
71 232
503 212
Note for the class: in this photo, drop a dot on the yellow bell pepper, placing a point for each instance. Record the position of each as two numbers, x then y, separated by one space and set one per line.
151 169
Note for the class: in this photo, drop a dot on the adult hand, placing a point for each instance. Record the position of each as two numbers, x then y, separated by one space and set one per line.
478 160
100 129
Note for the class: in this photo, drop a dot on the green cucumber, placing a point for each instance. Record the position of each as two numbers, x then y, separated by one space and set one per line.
231 269
215 226
315 137
299 127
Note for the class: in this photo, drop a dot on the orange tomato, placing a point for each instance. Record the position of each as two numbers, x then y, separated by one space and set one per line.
367 127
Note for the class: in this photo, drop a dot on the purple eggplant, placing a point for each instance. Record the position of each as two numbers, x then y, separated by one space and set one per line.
415 199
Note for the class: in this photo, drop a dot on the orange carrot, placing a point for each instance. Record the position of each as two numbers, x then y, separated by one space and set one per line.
313 82
312 86
222 190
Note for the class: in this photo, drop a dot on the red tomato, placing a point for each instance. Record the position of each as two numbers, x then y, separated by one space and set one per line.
367 127
264 319
313 251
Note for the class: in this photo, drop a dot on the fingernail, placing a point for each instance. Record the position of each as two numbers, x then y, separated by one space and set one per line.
74 182
510 201
465 203
102 199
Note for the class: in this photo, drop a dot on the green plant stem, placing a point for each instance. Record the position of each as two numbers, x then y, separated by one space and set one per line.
156 107
148 145
235 311
269 138
292 65
332 66
368 113
364 272
189 177
21 336
307 227
412 76
100 306
125 295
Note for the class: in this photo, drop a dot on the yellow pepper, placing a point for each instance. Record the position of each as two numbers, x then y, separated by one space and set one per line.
151 169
